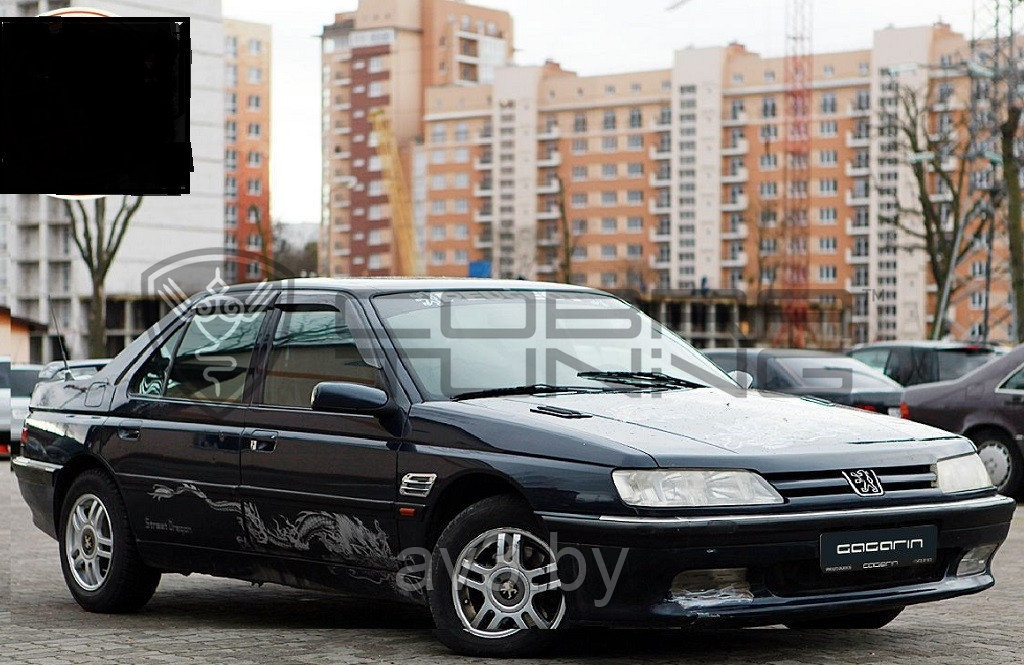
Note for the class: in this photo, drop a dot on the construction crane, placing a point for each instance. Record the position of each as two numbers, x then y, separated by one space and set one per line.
408 259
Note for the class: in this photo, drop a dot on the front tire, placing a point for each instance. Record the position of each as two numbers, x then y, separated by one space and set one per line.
494 582
1003 461
861 620
101 565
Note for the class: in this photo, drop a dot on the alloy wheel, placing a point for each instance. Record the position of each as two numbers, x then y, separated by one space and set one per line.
506 580
89 542
998 461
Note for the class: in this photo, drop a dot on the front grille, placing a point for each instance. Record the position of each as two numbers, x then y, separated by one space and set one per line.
805 577
830 483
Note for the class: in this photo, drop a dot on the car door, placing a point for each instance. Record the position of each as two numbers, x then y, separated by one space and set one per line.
174 440
318 486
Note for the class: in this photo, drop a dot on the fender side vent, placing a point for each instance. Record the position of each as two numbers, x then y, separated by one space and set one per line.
559 412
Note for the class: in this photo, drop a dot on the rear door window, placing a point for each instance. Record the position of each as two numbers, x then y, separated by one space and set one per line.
1015 382
214 356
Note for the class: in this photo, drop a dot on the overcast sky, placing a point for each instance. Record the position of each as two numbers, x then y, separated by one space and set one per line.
588 36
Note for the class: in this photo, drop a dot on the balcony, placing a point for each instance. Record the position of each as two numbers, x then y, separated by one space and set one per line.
549 187
660 152
738 147
856 140
855 109
737 260
484 189
856 259
738 232
853 229
483 216
549 133
659 262
659 179
546 269
483 164
550 213
547 241
662 122
554 158
483 137
855 170
736 175
656 207
735 119
736 204
660 235
857 198
483 241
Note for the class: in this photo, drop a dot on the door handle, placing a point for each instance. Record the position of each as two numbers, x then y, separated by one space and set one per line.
262 441
130 430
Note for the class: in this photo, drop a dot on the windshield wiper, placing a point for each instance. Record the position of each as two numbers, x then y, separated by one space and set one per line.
658 379
532 389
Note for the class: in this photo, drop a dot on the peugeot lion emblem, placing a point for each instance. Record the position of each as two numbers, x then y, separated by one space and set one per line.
864 482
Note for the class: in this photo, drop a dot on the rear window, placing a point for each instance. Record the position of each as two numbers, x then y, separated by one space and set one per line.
23 381
954 363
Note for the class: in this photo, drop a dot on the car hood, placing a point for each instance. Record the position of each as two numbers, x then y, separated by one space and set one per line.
753 429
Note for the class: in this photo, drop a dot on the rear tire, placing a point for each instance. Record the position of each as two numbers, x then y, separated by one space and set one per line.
506 599
1002 458
859 621
102 568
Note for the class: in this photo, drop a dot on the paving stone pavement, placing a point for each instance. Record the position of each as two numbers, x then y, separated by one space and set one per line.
204 621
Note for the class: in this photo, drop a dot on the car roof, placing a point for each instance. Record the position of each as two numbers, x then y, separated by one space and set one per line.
774 353
925 344
376 285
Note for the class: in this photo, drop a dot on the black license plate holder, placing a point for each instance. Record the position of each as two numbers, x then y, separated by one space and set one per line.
877 549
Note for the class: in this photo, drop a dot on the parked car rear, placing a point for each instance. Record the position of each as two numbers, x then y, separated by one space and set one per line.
912 363
986 405
820 374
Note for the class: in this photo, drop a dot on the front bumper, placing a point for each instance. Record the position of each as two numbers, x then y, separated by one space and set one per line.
780 553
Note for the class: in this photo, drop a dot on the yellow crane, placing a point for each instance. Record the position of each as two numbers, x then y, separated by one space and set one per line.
405 249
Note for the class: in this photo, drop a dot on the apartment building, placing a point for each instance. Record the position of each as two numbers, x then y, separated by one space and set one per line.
676 179
47 280
384 56
248 230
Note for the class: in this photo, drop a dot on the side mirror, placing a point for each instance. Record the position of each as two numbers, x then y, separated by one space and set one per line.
347 397
744 379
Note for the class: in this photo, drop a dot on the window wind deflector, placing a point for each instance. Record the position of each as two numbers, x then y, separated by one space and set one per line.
532 389
658 379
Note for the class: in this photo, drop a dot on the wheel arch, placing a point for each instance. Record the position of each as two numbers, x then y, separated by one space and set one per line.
977 428
75 467
460 493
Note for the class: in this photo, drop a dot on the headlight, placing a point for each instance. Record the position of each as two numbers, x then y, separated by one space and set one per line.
962 474
678 488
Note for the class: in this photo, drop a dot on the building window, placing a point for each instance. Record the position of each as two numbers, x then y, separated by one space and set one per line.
230 131
827 274
609 120
609 198
231 103
634 142
579 146
253 215
827 215
768 107
579 200
610 143
255 158
579 122
636 119
230 187
579 173
254 186
230 45
829 104
635 169
437 206
609 252
254 130
634 224
255 47
376 89
609 171
609 225
231 74
827 245
255 75
461 206
230 214
829 128
375 64
828 186
230 159
461 155
254 102
634 197
579 227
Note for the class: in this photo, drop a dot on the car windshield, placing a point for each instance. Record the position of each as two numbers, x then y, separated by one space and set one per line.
954 363
836 373
458 342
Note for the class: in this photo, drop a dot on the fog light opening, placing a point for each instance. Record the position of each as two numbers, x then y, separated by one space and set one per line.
976 560
713 585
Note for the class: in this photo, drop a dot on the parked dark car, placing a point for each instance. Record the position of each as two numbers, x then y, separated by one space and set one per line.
514 455
913 362
809 373
987 406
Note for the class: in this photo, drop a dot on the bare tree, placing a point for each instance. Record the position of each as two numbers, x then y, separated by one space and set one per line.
939 146
566 238
98 240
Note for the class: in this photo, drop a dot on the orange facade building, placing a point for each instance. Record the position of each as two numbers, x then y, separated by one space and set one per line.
247 224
